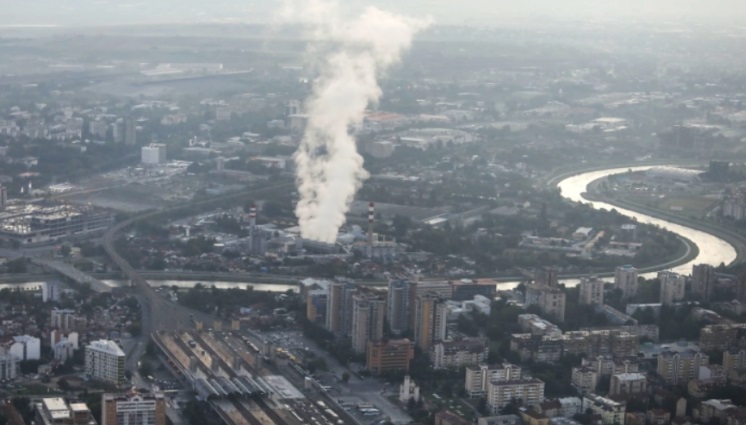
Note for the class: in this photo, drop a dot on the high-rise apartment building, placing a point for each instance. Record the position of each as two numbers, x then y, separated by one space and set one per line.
416 289
548 276
316 302
591 291
625 278
680 367
65 320
133 409
368 312
550 300
130 132
430 325
51 291
673 286
398 306
3 197
339 307
703 281
105 361
741 288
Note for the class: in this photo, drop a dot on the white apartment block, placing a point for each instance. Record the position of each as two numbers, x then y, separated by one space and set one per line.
153 154
478 377
105 361
501 393
611 412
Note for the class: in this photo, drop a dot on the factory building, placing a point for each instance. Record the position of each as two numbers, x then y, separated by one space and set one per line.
33 224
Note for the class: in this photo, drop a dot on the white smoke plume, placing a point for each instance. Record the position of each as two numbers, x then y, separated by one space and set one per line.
329 170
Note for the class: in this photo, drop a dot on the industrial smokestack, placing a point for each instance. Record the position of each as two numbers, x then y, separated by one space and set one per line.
371 217
329 170
252 219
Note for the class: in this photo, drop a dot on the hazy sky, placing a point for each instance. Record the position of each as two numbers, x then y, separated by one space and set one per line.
107 12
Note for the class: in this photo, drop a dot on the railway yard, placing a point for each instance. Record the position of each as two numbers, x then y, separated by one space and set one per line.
230 370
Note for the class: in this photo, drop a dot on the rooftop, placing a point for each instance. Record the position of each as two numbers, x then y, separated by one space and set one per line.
106 346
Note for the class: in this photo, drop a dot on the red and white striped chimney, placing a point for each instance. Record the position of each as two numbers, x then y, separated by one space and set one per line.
371 217
252 218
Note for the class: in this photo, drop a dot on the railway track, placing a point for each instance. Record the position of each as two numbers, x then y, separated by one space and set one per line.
249 415
266 408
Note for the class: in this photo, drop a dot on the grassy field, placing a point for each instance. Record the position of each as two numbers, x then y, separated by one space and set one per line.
695 206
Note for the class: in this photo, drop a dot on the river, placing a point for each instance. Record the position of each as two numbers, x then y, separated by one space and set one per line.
712 250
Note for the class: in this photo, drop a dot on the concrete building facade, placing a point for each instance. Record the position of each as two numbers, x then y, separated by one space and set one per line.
673 286
105 361
389 356
368 313
591 291
625 278
680 367
454 354
133 409
430 325
550 300
397 313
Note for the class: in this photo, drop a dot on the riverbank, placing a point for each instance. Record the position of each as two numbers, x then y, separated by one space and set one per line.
689 252
734 239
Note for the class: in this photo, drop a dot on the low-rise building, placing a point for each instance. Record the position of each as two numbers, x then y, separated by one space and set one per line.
722 336
585 379
658 417
608 365
499 420
628 384
55 411
453 354
734 359
610 411
571 406
537 348
478 377
501 393
392 355
714 409
537 325
532 417
133 408
549 299
680 367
